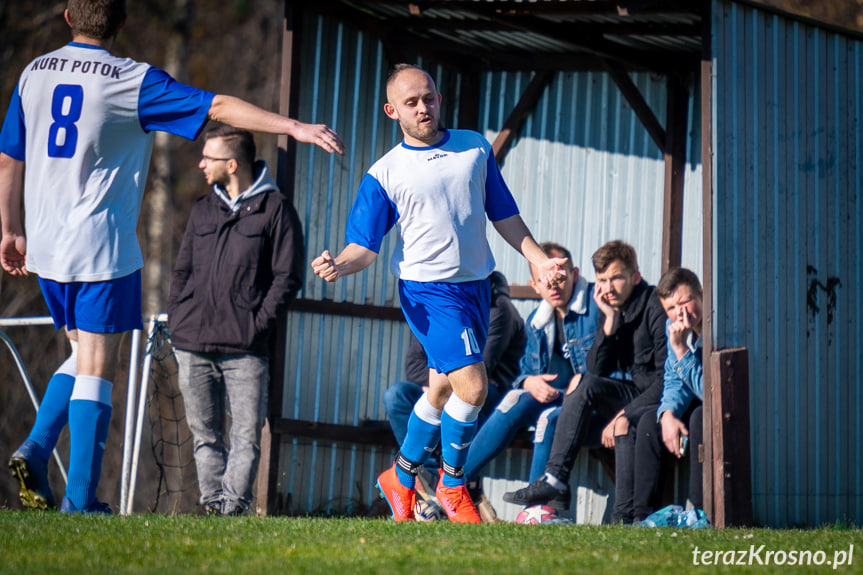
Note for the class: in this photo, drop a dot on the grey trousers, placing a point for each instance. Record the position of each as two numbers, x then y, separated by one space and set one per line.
207 381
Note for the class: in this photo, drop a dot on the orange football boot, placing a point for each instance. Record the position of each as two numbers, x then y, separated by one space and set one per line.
456 502
401 499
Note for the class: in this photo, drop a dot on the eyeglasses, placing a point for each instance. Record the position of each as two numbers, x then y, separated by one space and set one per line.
208 159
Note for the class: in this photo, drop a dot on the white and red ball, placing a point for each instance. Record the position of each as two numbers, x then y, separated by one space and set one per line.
536 514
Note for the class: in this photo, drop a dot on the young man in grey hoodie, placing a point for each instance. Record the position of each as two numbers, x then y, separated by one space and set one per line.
240 265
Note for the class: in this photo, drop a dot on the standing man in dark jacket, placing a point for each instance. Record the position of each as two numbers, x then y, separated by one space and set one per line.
239 266
630 339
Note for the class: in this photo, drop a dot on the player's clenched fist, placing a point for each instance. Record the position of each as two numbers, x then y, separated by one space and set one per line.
325 267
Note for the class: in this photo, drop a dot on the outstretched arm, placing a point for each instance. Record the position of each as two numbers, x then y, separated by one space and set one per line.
241 114
515 232
13 246
354 258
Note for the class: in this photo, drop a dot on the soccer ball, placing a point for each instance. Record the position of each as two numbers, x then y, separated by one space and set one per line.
427 511
536 514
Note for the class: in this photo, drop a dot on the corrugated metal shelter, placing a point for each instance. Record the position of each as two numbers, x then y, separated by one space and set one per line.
676 126
787 258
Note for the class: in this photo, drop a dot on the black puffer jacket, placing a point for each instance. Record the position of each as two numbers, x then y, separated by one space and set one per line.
637 347
236 271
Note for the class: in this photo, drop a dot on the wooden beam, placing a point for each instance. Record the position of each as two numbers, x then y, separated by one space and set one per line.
593 28
637 101
840 15
369 432
732 464
268 467
595 7
675 162
519 114
348 309
707 194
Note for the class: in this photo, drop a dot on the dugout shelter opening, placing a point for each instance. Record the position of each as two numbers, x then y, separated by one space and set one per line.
509 69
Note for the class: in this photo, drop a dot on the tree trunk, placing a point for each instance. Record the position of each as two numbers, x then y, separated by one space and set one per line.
158 233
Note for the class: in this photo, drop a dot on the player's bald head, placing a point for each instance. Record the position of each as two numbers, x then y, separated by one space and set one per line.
400 69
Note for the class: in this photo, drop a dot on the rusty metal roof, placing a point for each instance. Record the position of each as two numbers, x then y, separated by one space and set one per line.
658 35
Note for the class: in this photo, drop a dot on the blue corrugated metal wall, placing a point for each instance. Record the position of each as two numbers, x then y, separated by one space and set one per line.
788 255
584 171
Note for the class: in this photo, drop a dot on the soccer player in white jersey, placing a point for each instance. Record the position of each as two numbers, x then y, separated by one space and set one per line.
439 188
83 120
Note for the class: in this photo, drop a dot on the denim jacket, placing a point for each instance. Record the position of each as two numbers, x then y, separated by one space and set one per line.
683 380
579 325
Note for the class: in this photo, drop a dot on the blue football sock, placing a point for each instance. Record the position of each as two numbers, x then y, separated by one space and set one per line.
422 437
458 427
89 416
54 410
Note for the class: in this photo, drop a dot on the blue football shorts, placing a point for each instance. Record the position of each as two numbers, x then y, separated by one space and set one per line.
449 319
111 306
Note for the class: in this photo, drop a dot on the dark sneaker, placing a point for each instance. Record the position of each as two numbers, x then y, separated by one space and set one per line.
232 509
31 471
96 507
540 492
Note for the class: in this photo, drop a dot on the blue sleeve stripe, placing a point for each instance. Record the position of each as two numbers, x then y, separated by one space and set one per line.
372 215
13 137
499 203
169 106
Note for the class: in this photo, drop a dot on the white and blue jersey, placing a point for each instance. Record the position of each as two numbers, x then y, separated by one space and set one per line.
83 122
438 198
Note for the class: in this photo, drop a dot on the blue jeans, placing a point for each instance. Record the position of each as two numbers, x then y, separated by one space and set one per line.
206 381
400 397
517 410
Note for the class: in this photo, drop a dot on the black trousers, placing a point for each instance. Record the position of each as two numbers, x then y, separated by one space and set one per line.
638 462
582 416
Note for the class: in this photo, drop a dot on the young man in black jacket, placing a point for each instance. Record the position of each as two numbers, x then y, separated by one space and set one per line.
625 366
239 266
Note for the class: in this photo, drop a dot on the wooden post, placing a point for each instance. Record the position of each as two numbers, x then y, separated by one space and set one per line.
707 242
731 464
516 119
675 162
268 469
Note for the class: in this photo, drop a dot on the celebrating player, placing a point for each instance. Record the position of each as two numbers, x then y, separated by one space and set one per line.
82 120
437 187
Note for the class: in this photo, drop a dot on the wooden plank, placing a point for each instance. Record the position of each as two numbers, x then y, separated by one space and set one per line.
370 432
639 105
839 14
675 162
525 106
732 463
707 194
268 466
348 309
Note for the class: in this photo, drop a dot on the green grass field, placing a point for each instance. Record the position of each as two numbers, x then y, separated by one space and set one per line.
47 542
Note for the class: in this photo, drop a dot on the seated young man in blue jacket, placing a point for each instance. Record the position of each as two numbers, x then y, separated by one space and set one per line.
663 430
560 332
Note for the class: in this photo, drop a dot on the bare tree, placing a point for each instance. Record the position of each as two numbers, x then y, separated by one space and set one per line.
158 232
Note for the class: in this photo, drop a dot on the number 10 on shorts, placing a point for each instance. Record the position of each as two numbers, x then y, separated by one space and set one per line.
469 339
